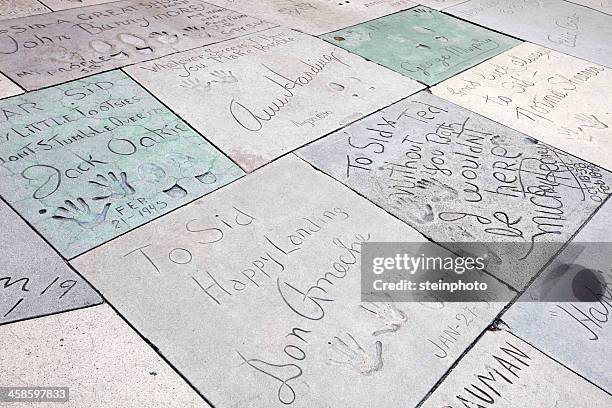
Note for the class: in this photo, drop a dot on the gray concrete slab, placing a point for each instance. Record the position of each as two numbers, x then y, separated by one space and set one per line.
92 159
504 370
58 5
48 49
264 95
34 280
8 87
573 329
440 4
604 6
97 356
260 281
551 96
459 177
20 8
316 16
556 24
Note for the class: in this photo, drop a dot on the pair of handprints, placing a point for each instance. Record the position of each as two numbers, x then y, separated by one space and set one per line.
350 353
219 76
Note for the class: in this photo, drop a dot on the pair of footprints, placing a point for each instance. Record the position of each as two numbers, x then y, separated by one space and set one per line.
348 352
114 187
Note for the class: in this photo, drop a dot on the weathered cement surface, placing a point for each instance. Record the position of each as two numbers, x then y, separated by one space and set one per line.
56 47
574 328
556 24
504 370
264 95
461 178
34 280
265 272
551 96
97 356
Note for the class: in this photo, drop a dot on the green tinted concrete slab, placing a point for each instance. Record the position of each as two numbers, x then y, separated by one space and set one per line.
422 43
91 159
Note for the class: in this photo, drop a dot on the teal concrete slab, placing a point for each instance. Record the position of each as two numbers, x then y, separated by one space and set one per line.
34 280
422 43
53 48
91 159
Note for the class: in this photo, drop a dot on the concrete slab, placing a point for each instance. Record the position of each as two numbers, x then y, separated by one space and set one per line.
20 8
53 48
551 96
505 371
260 281
34 279
317 16
459 177
8 87
440 4
120 159
422 43
604 6
575 331
58 5
97 356
261 96
556 24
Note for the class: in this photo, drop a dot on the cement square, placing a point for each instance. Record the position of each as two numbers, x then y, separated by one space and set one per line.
52 48
440 4
422 43
553 97
260 281
34 280
556 24
316 17
605 6
8 87
264 95
91 159
461 178
504 370
20 8
97 356
575 331
58 5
